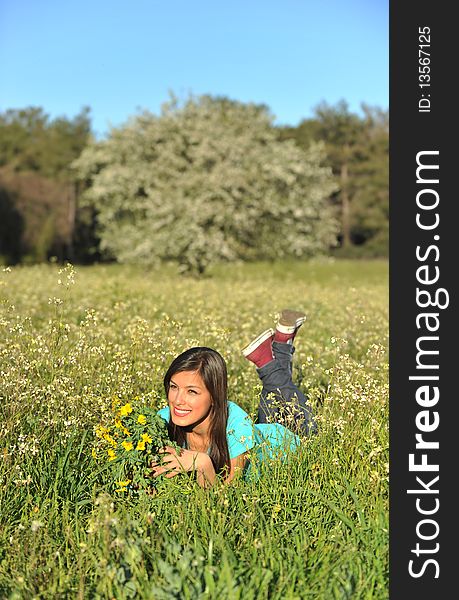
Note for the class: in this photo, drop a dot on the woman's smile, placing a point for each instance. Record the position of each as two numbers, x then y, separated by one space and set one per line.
181 412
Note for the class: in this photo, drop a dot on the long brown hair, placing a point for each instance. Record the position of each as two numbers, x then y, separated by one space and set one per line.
212 368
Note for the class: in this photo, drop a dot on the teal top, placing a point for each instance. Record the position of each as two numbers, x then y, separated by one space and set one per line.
266 440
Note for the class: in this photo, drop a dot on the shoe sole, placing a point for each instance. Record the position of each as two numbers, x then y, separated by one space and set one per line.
257 341
291 319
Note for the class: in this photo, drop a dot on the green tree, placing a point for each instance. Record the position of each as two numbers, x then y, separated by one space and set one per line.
370 202
31 141
207 180
341 131
36 209
39 198
357 151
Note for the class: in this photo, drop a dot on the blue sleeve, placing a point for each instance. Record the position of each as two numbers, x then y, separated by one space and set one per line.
240 431
165 413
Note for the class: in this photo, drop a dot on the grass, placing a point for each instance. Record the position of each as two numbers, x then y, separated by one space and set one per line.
312 527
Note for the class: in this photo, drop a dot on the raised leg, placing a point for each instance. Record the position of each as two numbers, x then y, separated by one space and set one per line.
284 354
281 401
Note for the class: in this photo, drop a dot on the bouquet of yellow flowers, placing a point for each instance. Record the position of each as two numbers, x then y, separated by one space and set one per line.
125 447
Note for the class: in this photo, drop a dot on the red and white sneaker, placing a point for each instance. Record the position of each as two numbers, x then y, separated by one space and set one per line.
260 351
288 324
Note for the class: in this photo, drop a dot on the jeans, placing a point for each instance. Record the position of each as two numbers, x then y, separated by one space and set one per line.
281 401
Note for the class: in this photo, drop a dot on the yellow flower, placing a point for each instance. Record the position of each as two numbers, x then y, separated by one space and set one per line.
146 438
123 483
140 446
110 440
111 454
125 410
120 425
101 431
142 419
127 446
94 453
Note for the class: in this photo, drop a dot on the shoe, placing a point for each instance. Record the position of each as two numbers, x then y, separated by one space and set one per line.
259 351
290 320
288 323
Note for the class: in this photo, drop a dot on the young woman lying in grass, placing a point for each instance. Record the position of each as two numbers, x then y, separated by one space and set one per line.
216 434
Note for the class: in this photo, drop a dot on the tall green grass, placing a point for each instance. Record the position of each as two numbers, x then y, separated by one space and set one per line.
313 526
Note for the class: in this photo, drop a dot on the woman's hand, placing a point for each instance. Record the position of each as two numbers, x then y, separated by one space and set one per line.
175 462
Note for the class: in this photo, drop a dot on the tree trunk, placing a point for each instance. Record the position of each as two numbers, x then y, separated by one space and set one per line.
345 207
72 193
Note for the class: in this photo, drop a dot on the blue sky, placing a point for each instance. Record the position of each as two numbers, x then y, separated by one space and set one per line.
121 56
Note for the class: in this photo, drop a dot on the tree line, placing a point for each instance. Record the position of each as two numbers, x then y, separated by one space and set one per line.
209 179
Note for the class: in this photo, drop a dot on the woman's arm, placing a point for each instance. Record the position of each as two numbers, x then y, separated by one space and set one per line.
237 465
187 460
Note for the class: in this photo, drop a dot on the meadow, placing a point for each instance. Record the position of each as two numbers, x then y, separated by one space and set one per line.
313 526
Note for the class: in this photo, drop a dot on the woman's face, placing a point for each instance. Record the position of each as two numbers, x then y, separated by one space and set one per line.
189 400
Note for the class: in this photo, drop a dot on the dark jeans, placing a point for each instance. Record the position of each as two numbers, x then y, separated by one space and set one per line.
281 401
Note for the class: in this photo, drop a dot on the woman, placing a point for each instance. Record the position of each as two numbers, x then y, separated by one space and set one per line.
216 435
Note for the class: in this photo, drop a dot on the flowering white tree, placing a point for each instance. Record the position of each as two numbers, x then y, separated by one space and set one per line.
207 180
